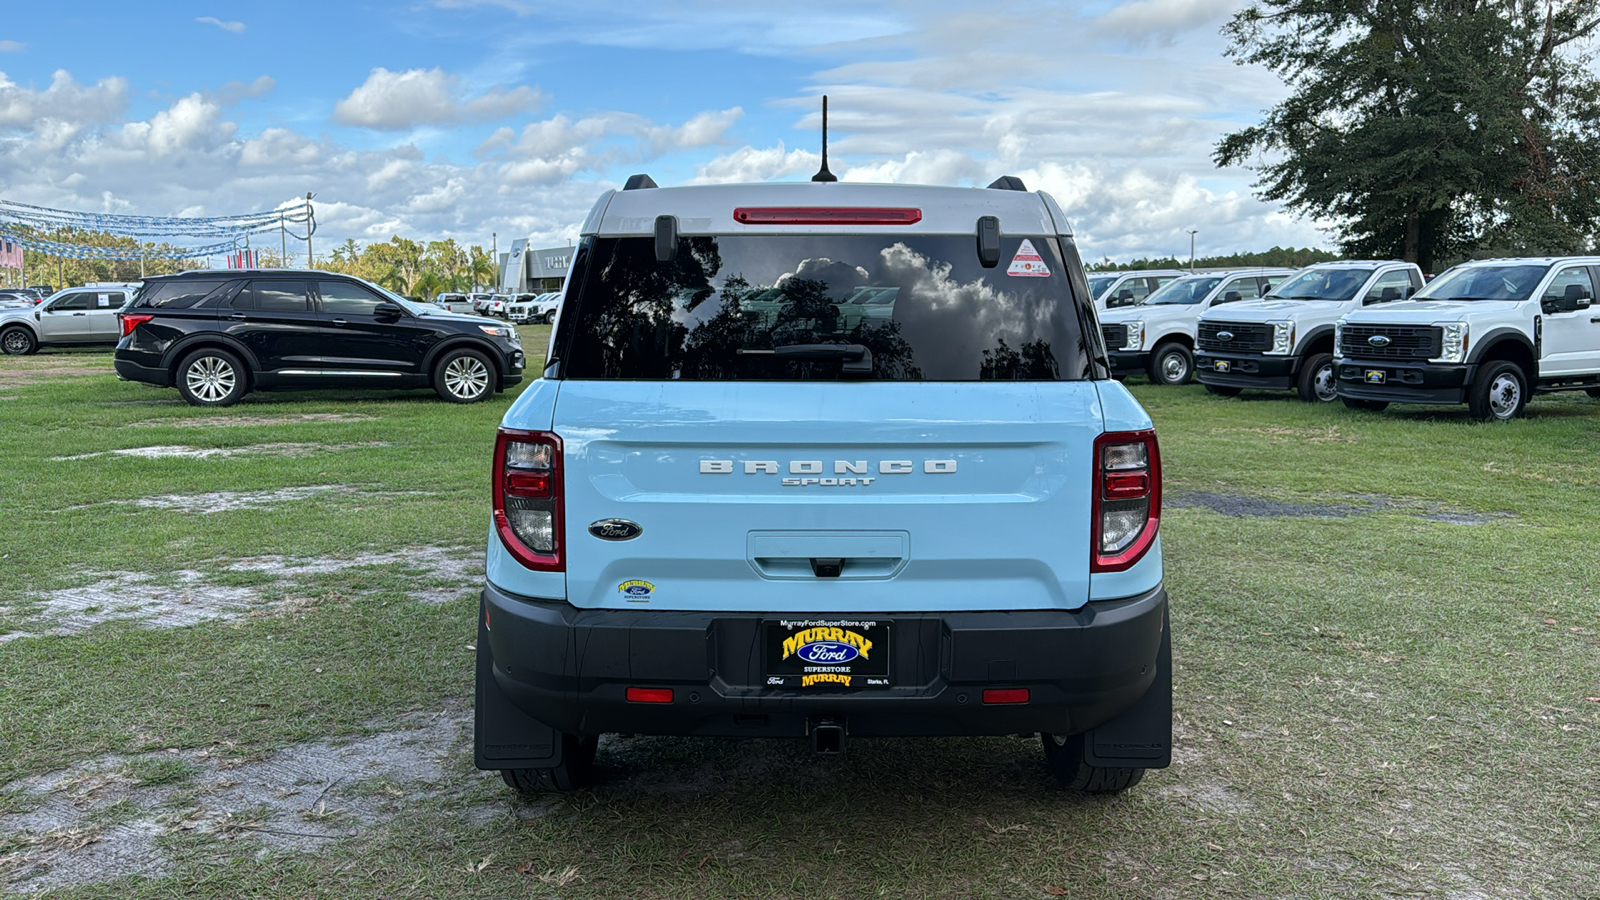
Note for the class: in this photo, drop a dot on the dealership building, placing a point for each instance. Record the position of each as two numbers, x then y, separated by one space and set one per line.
525 270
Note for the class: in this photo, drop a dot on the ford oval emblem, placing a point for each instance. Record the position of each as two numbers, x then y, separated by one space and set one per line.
1224 335
615 530
1379 340
820 652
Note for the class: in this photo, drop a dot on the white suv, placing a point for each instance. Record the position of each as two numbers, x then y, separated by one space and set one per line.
1284 342
1489 334
1157 336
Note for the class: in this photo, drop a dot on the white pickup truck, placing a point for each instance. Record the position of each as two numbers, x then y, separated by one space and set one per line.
1113 290
1284 342
1156 337
1489 334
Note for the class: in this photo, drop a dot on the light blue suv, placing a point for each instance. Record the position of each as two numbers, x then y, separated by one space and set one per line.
831 461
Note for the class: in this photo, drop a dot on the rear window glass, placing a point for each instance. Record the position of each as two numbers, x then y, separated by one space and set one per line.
798 307
177 294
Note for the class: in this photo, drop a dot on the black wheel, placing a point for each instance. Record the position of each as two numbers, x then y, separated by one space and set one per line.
1369 405
1499 393
18 341
1063 756
464 376
1317 379
212 378
550 317
1221 391
1593 392
1171 363
576 769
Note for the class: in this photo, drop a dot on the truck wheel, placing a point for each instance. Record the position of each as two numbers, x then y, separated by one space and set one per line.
464 376
1171 363
1063 756
1499 393
18 341
1593 392
212 378
1221 391
1317 379
1369 405
575 771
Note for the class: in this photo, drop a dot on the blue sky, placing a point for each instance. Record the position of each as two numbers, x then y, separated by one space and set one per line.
460 118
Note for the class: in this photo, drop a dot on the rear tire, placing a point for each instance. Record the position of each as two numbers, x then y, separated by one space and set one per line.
1171 363
1063 756
1499 393
212 378
464 376
1317 379
1221 391
1368 405
1593 392
575 771
18 341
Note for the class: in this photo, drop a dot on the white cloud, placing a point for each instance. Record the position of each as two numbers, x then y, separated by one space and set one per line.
12 46
1161 20
63 101
398 100
748 164
235 27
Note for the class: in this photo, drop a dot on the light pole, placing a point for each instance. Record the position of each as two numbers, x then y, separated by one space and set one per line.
1191 249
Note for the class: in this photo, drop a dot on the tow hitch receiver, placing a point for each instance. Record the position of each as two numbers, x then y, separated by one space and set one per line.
827 736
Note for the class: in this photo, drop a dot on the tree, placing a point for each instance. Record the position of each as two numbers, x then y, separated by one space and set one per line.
1428 129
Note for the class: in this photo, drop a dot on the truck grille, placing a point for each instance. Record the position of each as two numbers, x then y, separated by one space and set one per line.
1247 338
1116 336
1405 341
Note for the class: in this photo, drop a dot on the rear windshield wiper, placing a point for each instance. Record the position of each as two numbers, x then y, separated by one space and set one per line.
857 358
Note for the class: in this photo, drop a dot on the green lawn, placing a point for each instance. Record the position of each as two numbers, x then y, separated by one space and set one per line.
1395 697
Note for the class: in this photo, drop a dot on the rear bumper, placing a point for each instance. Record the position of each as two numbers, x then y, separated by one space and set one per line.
1403 382
128 370
1246 370
1129 360
570 669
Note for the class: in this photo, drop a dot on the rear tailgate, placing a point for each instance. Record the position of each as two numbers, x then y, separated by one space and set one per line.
934 496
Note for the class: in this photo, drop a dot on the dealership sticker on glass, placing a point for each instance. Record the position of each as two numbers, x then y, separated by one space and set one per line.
1028 263
827 653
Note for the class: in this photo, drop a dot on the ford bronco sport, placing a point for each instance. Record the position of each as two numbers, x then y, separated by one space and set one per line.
827 461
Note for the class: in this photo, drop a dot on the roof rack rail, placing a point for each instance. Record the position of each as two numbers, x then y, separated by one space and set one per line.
1008 183
639 182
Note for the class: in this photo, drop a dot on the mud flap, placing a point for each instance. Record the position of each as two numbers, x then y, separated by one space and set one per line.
504 737
1141 737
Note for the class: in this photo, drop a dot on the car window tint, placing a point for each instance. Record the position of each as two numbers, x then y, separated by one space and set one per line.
345 298
768 307
1238 289
280 296
72 302
178 294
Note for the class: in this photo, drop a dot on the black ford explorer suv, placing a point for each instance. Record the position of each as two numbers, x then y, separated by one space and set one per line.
216 335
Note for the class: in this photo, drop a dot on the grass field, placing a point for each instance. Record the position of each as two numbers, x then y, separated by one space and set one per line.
237 663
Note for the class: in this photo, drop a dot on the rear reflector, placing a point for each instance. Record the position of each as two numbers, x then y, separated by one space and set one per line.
649 695
1005 695
826 215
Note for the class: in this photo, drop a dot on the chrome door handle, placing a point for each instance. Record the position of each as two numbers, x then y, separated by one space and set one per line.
340 322
238 316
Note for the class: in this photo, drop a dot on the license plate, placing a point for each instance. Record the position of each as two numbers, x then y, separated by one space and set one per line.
1375 376
827 654
1223 365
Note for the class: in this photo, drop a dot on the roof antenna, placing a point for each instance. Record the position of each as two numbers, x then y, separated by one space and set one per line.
823 174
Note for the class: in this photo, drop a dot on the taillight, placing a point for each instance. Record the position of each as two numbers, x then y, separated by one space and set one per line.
130 321
826 215
1127 498
527 498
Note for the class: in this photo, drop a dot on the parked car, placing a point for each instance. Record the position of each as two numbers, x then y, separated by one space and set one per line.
1284 342
70 317
519 308
1157 336
1117 289
1489 334
480 303
14 299
456 303
903 497
546 306
217 335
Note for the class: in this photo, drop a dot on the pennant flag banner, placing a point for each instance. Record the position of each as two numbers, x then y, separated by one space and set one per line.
220 234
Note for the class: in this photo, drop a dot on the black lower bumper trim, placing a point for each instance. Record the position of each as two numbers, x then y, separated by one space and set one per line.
1122 361
570 669
1249 370
132 371
1389 381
